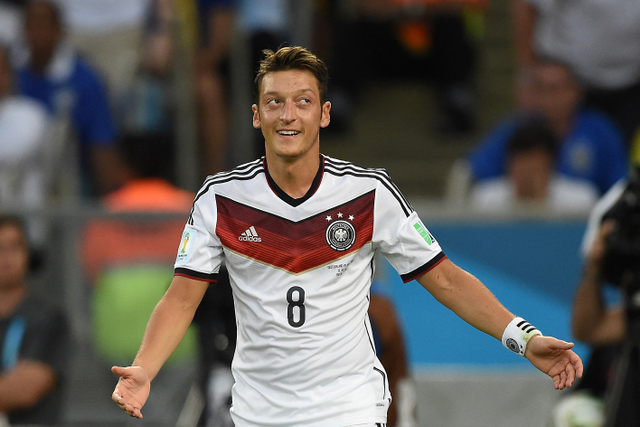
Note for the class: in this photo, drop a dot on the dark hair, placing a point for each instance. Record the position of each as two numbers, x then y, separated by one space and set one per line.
292 58
56 13
149 154
531 133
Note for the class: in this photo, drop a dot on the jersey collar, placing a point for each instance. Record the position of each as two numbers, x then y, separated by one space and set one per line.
287 198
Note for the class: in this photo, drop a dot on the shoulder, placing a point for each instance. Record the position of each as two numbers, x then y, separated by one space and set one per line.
569 188
494 194
572 196
339 167
375 178
593 121
242 173
86 76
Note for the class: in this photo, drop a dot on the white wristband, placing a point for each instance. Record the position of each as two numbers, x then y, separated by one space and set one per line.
517 334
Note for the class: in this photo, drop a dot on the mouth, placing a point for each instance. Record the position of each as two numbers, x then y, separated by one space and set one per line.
288 132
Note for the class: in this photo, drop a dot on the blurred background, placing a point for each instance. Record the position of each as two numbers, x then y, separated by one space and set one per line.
112 113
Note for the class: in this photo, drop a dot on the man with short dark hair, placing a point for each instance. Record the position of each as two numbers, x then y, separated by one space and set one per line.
298 231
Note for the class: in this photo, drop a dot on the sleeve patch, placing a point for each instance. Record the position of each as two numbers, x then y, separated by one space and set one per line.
424 233
188 241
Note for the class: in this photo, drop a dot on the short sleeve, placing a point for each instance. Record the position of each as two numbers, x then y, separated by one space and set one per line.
402 237
200 250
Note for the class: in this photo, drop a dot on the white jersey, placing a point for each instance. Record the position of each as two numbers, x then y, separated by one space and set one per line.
301 271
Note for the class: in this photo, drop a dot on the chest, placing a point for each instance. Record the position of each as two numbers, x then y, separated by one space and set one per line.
296 246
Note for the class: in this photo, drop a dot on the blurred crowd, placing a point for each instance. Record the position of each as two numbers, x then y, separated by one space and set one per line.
100 99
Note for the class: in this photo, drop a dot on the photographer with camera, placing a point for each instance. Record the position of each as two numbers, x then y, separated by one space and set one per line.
609 390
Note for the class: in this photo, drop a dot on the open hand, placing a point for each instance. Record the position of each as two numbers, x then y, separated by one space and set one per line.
555 358
132 389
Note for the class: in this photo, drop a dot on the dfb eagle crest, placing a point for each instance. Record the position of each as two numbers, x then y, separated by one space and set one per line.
340 235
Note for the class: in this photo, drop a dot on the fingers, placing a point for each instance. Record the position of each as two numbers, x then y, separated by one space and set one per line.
562 345
577 363
129 409
571 374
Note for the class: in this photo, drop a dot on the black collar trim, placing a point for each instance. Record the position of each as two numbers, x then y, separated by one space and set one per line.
287 198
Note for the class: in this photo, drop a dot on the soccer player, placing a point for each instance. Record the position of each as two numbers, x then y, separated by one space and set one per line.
297 231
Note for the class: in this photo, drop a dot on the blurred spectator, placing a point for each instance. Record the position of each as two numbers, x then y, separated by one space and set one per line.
599 40
11 16
604 314
390 348
147 102
590 147
110 34
129 262
54 74
531 179
216 20
24 125
34 339
427 40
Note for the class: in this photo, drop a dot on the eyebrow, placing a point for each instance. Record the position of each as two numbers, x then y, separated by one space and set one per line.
299 92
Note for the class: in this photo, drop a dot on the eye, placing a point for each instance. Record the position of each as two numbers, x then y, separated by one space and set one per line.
273 101
304 101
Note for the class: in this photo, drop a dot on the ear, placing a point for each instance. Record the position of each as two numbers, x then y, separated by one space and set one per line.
256 116
326 116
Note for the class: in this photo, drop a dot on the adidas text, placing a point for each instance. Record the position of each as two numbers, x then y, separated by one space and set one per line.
250 235
249 239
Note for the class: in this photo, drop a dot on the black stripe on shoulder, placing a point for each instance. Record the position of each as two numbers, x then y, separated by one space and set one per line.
241 173
424 268
244 171
185 272
342 168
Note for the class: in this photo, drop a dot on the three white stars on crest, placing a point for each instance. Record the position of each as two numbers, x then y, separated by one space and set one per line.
340 215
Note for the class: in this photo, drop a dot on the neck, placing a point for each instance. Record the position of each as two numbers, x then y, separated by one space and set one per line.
296 177
10 297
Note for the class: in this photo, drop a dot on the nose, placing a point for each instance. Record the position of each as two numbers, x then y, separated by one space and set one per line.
288 112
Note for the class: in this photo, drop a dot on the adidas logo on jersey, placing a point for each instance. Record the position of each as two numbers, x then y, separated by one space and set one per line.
250 235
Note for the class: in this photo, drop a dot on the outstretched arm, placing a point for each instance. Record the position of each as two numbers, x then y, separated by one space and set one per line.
166 328
466 296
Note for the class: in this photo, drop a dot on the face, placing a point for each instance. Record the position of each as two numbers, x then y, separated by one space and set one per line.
14 256
530 172
290 114
42 31
557 94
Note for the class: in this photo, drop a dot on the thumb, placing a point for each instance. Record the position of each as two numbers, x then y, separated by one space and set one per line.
119 370
562 345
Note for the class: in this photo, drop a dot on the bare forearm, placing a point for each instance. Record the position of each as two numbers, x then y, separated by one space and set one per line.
592 322
25 386
167 326
466 296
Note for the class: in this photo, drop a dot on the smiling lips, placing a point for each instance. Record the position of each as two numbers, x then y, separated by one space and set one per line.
288 132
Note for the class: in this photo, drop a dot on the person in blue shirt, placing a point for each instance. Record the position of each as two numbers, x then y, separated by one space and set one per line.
591 146
53 73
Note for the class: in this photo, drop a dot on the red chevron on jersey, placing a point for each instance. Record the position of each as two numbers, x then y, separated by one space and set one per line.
296 246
